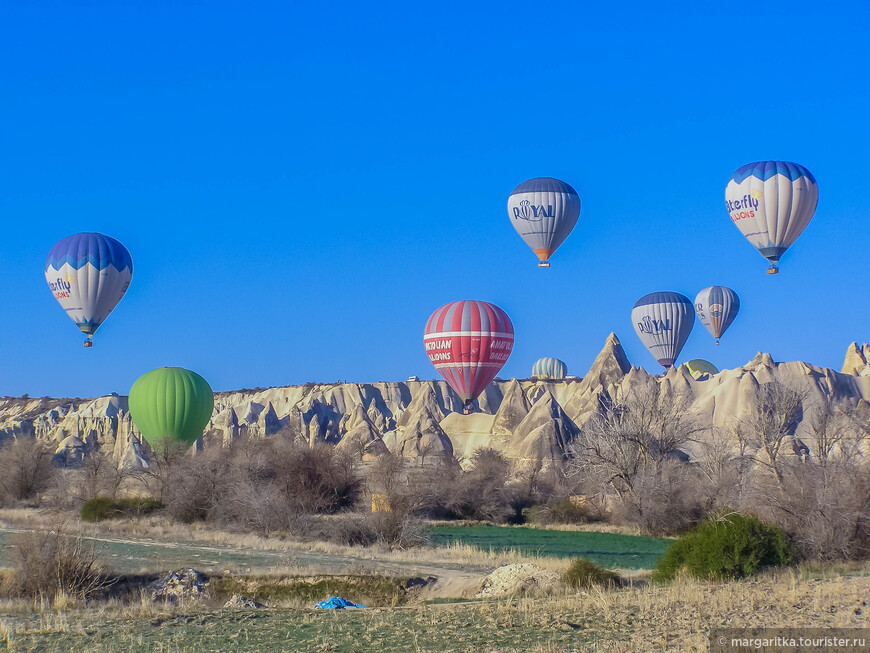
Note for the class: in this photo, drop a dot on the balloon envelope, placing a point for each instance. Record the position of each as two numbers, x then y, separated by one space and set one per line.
549 368
543 211
171 405
717 306
771 202
663 322
88 273
468 342
698 367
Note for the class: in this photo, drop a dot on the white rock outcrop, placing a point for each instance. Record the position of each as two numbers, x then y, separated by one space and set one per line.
521 418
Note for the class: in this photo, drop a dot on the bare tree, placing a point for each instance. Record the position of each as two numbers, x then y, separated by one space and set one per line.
98 475
771 424
26 468
633 450
166 455
723 470
827 428
822 499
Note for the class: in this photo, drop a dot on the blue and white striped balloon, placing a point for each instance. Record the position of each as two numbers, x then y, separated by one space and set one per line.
771 202
88 274
663 322
717 307
543 211
549 368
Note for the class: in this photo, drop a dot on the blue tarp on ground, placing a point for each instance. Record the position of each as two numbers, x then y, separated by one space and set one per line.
337 603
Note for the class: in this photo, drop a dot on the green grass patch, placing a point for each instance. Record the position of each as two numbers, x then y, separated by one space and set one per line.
603 549
481 626
102 508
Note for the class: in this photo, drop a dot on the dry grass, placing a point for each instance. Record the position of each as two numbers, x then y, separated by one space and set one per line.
591 527
673 618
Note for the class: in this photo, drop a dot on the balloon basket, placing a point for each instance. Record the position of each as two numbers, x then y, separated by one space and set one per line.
88 343
467 410
773 270
717 342
544 264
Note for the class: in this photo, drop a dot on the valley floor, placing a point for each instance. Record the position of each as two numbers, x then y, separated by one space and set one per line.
673 618
639 617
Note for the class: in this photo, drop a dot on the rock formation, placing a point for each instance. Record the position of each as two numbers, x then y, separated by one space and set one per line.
521 418
857 360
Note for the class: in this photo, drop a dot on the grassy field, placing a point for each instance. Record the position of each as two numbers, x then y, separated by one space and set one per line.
673 618
605 549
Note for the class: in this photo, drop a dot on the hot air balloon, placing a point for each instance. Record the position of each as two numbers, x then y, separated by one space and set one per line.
717 307
543 211
771 202
663 322
698 367
468 342
549 368
88 274
171 406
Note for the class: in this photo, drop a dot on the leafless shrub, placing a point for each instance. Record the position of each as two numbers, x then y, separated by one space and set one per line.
823 508
392 530
480 493
531 483
26 469
819 491
48 563
201 488
313 479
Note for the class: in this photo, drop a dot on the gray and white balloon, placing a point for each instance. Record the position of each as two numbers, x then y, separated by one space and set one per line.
663 322
717 307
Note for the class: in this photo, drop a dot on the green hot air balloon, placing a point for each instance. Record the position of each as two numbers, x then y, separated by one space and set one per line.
171 406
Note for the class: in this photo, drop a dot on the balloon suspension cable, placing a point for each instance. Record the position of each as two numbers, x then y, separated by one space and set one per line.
773 270
89 343
544 264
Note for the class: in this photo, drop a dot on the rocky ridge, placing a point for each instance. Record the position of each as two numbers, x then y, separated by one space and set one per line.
522 418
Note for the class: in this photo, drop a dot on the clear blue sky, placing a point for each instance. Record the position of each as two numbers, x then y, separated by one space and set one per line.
301 184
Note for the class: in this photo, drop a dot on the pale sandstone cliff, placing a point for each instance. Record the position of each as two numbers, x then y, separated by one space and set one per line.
521 418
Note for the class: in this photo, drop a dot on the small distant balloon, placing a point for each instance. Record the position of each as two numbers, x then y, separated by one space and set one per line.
543 211
698 368
468 342
88 274
771 202
717 306
549 368
171 406
663 322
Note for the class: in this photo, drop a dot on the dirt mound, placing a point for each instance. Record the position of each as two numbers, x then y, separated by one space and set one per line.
179 585
512 580
242 602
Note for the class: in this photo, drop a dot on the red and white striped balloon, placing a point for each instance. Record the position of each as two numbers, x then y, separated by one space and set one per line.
468 342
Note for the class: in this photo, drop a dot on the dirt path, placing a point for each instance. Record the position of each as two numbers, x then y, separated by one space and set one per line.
140 555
